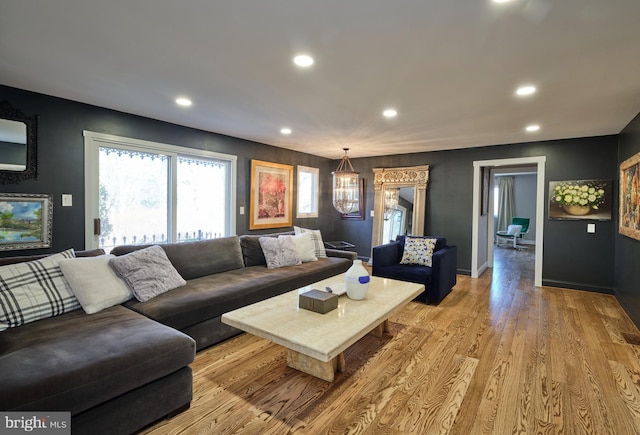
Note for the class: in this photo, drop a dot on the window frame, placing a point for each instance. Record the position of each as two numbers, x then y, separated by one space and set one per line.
315 191
92 143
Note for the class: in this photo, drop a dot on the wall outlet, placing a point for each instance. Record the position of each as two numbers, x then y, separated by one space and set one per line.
591 228
241 210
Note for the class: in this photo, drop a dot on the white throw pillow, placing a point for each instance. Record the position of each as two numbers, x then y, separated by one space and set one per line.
305 247
514 230
34 290
279 252
418 250
317 240
94 282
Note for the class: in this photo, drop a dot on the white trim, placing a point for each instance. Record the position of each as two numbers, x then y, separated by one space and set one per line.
540 162
316 191
92 142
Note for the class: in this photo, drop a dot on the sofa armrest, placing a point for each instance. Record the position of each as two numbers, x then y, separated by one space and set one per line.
385 255
342 254
445 265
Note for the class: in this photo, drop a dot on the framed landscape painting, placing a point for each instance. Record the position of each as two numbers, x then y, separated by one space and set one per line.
630 197
271 201
25 221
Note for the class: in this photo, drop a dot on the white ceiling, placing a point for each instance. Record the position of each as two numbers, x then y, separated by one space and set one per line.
450 67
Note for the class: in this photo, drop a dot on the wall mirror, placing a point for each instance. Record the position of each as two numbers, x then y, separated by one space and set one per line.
399 204
18 145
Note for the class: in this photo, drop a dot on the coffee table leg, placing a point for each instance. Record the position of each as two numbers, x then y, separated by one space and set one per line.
380 329
320 369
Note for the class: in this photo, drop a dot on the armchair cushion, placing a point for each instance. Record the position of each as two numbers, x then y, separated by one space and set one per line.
409 272
418 250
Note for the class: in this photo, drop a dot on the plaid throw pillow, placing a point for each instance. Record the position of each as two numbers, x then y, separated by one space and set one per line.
34 290
317 240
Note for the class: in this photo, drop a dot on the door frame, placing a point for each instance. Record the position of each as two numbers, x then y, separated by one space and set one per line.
540 162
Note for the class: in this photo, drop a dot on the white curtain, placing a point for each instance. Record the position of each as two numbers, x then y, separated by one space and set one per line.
506 202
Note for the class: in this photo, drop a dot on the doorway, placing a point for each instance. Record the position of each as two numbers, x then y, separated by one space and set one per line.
481 249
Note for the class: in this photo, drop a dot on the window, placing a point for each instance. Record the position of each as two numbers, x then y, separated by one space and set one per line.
148 193
307 192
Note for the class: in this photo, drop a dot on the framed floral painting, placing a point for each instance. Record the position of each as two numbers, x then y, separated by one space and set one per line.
630 197
25 221
271 201
580 199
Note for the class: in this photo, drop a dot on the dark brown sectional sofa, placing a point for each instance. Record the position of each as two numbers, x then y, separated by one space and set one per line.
127 366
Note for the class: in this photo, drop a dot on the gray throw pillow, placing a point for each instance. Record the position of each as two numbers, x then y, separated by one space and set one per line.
148 272
279 252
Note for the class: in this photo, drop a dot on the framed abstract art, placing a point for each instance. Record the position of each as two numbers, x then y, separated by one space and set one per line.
271 199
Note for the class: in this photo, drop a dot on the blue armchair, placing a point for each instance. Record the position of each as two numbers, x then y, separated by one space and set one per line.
438 279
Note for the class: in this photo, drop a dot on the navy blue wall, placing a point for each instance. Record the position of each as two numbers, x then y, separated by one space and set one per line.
627 253
572 258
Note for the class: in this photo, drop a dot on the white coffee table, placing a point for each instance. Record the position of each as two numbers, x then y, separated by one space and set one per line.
316 342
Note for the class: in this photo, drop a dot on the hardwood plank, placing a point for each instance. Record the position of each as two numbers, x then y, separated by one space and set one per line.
496 356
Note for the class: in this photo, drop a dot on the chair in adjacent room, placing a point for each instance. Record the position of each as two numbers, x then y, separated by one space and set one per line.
514 232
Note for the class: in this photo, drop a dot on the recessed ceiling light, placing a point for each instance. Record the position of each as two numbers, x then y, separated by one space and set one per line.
285 130
390 113
501 1
303 60
533 127
526 90
182 101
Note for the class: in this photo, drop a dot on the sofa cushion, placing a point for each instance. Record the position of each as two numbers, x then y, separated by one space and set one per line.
252 251
94 282
34 290
279 252
196 259
148 272
74 362
316 236
305 247
418 250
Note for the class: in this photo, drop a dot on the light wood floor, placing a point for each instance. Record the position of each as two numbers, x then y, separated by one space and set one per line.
497 356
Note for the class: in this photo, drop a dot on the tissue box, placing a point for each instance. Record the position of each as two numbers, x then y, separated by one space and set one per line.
318 301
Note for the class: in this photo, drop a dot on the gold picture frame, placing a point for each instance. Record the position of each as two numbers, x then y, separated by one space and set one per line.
629 204
271 199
